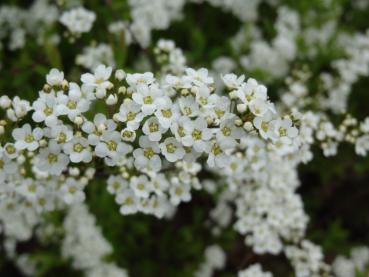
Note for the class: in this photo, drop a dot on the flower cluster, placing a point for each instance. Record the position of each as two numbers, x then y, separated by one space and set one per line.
214 260
254 271
85 245
348 267
94 55
78 20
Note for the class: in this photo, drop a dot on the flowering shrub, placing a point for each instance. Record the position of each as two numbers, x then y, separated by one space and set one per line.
136 139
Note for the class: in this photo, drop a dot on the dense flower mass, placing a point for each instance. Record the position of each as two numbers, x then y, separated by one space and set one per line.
129 122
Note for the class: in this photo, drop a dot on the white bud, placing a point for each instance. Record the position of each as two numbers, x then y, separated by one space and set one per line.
248 126
116 117
43 142
78 120
100 93
120 74
101 128
2 130
194 90
129 91
10 113
21 159
241 108
233 94
122 90
74 171
90 172
5 102
84 181
111 100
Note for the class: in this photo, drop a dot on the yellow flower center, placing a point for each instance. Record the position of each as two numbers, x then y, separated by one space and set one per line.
72 104
52 158
167 113
131 116
62 137
171 148
187 110
48 111
226 131
196 134
153 127
78 148
148 153
147 100
216 150
282 131
10 149
29 138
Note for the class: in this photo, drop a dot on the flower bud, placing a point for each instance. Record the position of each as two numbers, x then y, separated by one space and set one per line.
120 74
5 102
122 90
241 108
43 143
248 126
78 120
111 100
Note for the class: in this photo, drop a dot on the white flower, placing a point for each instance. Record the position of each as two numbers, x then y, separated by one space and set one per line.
128 135
147 97
128 201
153 129
51 159
263 124
99 126
99 80
179 192
116 183
130 112
362 145
217 155
254 271
26 138
72 104
200 76
259 107
146 157
172 149
188 106
111 147
78 150
7 166
160 184
197 134
141 186
283 130
55 77
146 78
78 20
166 112
72 191
228 132
251 90
30 189
45 109
232 81
61 133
